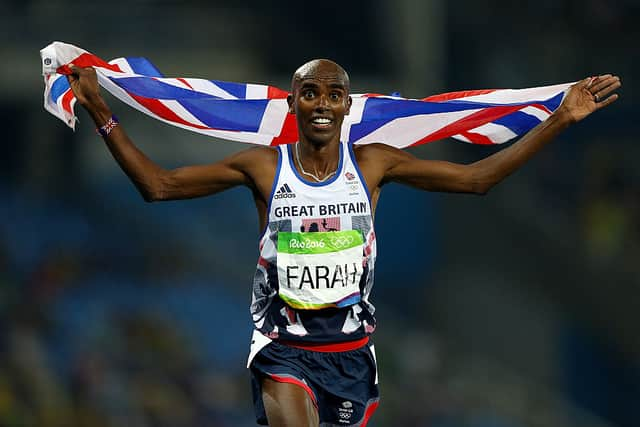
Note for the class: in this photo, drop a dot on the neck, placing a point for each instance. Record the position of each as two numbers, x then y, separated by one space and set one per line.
319 162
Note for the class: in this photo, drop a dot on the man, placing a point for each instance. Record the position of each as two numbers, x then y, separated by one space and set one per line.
311 361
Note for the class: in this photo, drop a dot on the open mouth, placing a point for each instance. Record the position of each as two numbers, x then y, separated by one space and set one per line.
321 122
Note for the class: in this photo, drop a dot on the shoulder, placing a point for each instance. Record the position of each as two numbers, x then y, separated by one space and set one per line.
377 161
259 152
256 156
381 155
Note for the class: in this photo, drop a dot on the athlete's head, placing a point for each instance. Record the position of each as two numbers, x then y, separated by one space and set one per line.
320 100
320 68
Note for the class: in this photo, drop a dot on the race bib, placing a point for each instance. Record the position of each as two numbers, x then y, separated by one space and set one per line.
320 269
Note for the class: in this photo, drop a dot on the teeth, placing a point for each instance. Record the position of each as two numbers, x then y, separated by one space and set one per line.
321 121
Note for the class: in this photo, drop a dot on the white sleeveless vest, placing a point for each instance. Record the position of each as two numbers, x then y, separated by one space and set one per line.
317 256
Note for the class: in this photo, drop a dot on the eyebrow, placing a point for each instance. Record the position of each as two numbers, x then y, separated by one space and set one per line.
315 85
308 85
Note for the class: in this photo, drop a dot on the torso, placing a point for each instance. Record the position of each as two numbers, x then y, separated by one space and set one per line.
297 303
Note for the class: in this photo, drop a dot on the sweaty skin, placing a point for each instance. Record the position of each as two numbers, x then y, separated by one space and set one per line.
320 99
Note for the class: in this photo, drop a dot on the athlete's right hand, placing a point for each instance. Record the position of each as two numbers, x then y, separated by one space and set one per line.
84 84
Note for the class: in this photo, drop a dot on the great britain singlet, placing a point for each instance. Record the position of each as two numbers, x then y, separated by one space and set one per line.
317 255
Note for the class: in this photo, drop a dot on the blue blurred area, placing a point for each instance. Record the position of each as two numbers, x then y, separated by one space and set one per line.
406 232
204 310
599 377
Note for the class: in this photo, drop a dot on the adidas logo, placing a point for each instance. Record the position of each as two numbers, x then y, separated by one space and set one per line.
284 193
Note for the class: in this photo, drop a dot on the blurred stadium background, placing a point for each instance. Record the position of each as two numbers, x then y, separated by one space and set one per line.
517 309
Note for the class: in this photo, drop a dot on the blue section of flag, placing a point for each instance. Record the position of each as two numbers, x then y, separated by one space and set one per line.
553 103
521 123
151 88
59 87
144 67
239 90
235 115
388 109
518 122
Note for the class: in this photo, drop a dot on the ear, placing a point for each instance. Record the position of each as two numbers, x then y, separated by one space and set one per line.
349 102
290 103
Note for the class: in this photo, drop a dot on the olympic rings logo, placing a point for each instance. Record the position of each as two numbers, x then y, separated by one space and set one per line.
341 241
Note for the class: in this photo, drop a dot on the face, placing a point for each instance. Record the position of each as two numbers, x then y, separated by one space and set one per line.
320 100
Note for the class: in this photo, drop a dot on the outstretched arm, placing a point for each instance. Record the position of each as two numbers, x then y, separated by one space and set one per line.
583 98
153 181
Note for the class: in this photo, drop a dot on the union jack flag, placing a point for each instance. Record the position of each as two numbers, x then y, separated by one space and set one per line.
258 114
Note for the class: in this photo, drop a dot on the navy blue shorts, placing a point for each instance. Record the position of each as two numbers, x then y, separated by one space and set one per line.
342 385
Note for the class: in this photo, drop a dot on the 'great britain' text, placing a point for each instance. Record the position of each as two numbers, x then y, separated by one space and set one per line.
321 210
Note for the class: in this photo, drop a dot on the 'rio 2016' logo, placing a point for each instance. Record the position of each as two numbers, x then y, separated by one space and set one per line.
306 244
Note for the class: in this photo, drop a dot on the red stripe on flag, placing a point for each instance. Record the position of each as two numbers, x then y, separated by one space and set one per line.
163 111
476 138
87 60
457 95
289 132
185 82
276 93
541 107
66 100
472 121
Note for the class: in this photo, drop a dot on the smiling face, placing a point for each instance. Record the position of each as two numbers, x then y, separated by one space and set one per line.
320 100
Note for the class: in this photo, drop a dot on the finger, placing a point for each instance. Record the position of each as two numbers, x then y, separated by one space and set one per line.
68 69
616 84
77 70
604 92
595 80
605 102
603 83
584 83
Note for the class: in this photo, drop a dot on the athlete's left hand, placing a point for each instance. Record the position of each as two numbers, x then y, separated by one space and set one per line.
589 95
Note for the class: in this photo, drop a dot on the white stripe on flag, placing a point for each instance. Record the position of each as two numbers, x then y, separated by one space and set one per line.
509 96
405 131
497 133
181 112
536 112
461 138
210 88
255 91
274 117
123 64
354 117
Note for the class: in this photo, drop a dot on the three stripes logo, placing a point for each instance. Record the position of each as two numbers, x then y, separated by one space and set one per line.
284 192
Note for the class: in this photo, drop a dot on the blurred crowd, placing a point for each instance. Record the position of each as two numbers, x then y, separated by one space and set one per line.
591 197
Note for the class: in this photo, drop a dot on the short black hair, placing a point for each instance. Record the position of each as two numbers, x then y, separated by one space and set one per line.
308 69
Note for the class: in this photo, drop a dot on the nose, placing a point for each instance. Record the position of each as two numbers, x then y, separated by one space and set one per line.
323 103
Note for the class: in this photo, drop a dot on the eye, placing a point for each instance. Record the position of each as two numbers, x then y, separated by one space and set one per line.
335 96
309 94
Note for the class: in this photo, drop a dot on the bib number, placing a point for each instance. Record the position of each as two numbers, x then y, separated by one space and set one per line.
317 270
